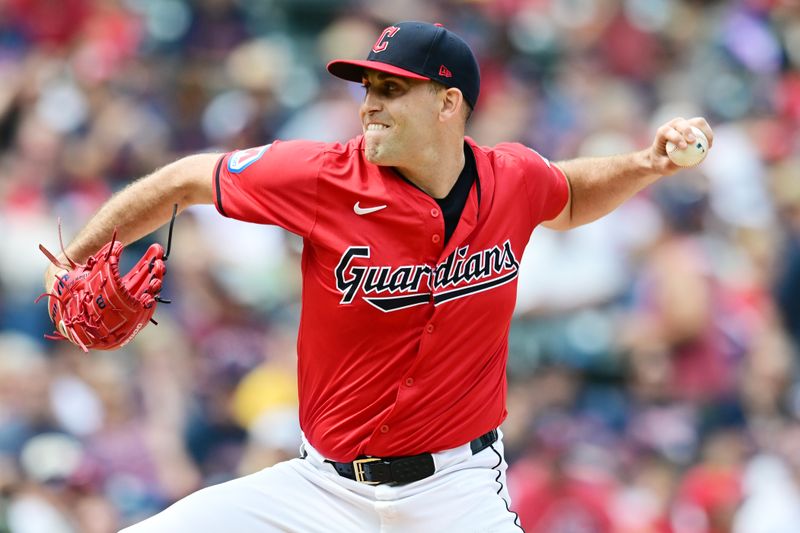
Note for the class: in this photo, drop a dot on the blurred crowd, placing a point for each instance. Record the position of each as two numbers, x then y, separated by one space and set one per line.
653 377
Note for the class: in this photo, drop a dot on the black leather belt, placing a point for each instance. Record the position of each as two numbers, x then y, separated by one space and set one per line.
398 470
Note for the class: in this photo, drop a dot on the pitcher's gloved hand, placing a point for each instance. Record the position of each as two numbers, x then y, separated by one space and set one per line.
93 306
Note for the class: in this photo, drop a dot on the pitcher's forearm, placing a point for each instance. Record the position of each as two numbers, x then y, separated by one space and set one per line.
145 205
601 184
598 185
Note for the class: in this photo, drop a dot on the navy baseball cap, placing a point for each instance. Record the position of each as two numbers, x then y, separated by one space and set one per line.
422 51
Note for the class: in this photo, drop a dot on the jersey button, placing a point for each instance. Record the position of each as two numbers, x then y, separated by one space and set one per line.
429 328
436 238
384 429
434 212
409 382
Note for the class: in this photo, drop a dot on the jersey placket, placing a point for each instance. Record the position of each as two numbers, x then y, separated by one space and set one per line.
436 254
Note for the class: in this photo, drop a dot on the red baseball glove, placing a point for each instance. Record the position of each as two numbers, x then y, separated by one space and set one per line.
95 307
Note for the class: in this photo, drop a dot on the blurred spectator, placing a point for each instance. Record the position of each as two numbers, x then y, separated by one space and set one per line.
711 491
644 504
565 482
681 307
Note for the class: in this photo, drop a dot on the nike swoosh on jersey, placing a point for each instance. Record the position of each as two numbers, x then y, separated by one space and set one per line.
366 210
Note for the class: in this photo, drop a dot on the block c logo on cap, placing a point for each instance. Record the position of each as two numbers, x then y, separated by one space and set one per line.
381 44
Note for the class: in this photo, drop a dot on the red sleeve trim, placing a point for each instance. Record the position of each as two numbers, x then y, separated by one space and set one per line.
567 190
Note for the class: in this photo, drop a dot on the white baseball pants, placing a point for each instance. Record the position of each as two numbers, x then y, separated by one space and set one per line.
466 494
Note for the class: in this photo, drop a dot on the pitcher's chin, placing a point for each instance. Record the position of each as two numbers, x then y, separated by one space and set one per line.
374 154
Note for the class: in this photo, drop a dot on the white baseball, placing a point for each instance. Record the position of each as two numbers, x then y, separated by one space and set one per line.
693 154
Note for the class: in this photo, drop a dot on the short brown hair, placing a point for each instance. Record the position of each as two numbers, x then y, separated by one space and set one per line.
436 87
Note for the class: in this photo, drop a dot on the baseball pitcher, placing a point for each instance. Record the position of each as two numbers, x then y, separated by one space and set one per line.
413 235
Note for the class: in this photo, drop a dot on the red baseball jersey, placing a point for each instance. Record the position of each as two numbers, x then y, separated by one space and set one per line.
403 339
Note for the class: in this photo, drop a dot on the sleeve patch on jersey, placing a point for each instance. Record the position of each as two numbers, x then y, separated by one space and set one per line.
547 161
241 159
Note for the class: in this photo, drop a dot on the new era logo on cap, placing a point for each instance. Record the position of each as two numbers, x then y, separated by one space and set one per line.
418 50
